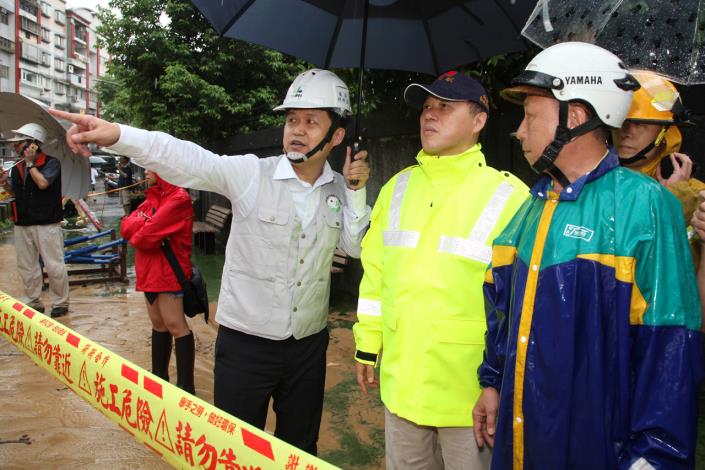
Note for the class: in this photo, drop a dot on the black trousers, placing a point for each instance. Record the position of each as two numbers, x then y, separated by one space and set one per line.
250 370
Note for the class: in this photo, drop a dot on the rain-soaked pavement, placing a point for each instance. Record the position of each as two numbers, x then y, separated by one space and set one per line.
42 423
45 425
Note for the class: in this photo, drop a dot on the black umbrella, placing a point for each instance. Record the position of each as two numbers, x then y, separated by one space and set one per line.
411 35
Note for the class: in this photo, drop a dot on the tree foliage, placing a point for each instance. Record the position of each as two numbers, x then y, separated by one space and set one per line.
179 76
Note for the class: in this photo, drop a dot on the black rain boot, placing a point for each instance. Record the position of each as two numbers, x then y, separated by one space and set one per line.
161 353
185 356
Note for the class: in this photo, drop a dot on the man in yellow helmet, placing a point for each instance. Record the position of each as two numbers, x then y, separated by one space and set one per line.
649 141
650 138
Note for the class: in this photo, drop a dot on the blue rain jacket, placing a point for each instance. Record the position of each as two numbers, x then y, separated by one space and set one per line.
593 316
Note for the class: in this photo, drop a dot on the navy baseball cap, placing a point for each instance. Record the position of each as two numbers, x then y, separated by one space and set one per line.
451 86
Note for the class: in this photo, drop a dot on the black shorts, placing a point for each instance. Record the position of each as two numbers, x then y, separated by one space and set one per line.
152 296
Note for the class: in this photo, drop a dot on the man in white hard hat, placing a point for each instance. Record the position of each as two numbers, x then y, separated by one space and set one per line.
35 183
289 214
592 353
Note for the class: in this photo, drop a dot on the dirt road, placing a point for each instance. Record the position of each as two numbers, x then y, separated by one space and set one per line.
44 425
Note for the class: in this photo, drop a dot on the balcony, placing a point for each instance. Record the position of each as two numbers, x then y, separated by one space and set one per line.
30 26
7 45
77 80
80 36
79 60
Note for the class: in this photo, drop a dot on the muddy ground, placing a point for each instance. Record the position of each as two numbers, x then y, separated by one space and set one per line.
44 425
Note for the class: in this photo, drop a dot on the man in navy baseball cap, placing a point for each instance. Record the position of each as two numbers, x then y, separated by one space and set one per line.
451 86
421 314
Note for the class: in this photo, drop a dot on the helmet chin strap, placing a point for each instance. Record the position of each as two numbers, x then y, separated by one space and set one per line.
546 163
298 157
641 154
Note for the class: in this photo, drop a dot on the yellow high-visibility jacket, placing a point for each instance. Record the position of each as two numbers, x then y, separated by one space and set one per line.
421 307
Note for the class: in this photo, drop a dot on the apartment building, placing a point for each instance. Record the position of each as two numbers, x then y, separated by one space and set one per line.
49 52
7 45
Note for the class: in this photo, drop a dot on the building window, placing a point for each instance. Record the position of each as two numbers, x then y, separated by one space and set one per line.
59 16
59 41
80 32
30 53
7 45
59 64
46 59
29 7
46 9
46 35
30 77
4 71
4 16
59 88
29 25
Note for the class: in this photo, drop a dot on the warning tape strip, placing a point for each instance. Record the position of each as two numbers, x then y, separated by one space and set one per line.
182 429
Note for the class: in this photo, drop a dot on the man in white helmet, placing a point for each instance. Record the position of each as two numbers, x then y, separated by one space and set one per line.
289 214
35 183
593 354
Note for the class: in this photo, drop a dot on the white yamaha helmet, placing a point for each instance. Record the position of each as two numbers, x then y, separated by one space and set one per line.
578 71
318 89
29 131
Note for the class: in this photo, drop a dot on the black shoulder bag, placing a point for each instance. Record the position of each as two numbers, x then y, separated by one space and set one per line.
195 293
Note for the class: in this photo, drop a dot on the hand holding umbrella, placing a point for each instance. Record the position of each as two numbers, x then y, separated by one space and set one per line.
356 170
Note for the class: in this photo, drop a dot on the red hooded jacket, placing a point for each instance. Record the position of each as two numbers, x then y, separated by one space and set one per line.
166 213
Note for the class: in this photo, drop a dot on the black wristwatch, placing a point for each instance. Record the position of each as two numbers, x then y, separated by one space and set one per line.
30 166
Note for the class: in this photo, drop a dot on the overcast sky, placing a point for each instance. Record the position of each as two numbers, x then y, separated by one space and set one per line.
86 3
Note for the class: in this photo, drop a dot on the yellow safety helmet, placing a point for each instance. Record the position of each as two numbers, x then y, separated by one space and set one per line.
657 102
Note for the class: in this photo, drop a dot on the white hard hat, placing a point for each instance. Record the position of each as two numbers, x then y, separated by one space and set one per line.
29 131
318 89
577 71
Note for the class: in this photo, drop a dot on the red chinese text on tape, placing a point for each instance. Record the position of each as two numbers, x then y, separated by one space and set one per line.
184 430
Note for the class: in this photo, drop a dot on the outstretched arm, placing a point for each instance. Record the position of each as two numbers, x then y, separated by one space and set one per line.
179 162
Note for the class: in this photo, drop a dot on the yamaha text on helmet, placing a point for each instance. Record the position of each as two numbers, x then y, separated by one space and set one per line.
575 72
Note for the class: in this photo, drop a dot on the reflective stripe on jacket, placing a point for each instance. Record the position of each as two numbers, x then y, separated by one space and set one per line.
421 299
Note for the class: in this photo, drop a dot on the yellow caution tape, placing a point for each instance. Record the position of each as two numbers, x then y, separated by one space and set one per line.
184 430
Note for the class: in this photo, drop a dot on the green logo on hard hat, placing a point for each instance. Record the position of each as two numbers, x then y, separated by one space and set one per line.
298 93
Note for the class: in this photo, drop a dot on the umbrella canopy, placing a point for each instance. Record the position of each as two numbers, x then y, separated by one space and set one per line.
18 110
97 160
411 35
664 36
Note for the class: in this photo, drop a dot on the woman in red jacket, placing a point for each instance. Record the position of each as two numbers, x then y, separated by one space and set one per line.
165 214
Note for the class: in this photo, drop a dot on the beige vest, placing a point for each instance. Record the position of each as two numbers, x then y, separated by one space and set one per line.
276 277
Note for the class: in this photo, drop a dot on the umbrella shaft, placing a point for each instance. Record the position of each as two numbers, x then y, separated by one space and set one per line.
361 74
